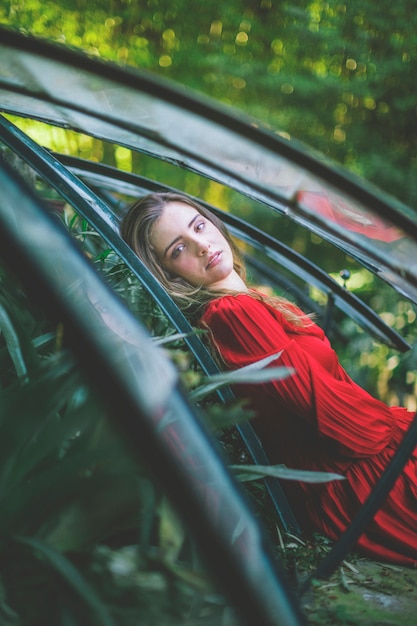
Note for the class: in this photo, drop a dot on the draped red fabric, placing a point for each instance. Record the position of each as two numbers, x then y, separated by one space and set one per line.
318 418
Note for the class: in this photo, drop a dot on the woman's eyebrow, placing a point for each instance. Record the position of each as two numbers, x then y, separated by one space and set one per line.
179 237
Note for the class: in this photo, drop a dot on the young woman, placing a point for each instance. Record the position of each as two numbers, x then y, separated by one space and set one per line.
316 419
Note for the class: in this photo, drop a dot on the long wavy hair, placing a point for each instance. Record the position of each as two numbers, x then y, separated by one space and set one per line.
136 229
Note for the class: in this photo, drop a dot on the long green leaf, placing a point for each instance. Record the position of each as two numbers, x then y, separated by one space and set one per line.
34 406
13 343
72 576
43 340
254 373
245 473
160 341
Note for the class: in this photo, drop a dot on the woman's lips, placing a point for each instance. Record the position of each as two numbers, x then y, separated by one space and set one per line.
214 259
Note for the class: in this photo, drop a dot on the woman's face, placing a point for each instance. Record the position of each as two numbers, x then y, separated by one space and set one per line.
188 245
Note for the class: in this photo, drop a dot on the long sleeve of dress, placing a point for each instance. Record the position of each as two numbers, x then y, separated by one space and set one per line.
245 330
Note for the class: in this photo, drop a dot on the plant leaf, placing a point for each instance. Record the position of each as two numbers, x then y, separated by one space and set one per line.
250 374
13 344
171 532
160 341
66 569
246 473
219 417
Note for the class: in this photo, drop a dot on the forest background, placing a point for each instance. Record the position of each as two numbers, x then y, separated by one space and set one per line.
339 76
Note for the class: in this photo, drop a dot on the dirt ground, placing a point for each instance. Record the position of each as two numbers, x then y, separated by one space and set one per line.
364 593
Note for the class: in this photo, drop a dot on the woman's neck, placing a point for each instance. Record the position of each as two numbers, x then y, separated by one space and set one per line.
233 283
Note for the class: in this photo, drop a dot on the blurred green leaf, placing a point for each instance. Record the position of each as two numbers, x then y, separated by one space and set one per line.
70 574
160 341
246 473
13 344
171 532
220 416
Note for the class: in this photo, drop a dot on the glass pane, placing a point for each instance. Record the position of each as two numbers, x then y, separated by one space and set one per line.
146 115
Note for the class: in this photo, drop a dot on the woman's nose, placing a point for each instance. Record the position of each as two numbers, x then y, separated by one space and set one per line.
203 246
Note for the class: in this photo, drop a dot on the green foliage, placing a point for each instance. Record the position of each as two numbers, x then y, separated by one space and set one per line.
246 473
73 500
338 76
70 574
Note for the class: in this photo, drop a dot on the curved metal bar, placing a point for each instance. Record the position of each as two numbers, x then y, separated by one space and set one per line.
97 213
370 508
280 253
334 177
94 210
343 299
375 500
286 284
104 100
191 103
48 263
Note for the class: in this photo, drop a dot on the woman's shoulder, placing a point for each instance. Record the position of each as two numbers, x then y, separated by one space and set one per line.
248 308
255 308
231 303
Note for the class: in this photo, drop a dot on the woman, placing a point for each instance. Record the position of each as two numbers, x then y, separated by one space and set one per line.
318 418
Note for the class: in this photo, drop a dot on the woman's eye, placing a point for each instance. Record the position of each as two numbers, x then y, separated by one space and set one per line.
177 251
200 226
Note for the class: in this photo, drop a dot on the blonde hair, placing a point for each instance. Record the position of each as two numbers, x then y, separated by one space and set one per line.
136 230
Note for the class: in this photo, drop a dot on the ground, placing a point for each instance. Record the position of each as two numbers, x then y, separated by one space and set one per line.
361 592
366 593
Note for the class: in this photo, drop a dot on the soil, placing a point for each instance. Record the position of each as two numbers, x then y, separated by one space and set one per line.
361 592
366 593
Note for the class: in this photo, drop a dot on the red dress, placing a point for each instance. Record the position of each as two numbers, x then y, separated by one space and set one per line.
320 419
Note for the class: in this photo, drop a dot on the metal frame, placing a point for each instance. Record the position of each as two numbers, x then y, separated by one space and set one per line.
97 174
93 209
97 213
242 566
31 93
253 580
